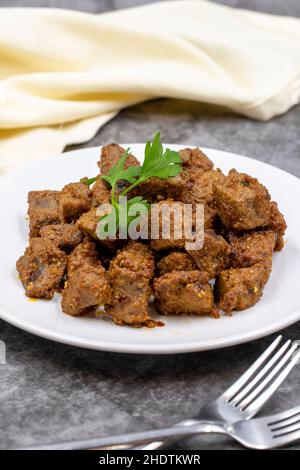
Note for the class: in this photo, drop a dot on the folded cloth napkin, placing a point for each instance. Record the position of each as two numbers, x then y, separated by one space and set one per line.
63 74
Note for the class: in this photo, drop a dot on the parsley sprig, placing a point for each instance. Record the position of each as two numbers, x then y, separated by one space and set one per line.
158 163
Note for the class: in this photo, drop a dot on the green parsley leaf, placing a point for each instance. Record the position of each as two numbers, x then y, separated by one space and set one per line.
119 173
158 163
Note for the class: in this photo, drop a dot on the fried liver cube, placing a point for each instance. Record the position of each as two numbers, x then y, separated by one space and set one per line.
86 289
41 268
88 222
195 162
100 193
42 210
110 154
213 257
74 200
241 202
130 273
84 253
277 224
64 236
159 240
251 248
201 190
210 217
157 189
240 288
175 261
184 293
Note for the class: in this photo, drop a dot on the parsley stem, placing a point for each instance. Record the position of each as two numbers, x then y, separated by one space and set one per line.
133 185
112 196
89 181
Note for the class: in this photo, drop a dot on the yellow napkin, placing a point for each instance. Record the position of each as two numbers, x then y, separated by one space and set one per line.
63 74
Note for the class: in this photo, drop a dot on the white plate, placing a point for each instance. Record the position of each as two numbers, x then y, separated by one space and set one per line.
279 307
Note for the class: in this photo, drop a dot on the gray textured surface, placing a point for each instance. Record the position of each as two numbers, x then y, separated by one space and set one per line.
280 7
51 391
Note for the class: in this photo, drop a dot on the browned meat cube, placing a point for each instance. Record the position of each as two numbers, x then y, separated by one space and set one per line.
88 222
169 240
175 261
65 236
195 162
42 210
74 199
110 154
84 253
130 273
41 268
86 289
156 189
242 202
202 189
100 193
130 299
278 225
87 286
240 288
214 256
210 217
184 293
251 248
201 192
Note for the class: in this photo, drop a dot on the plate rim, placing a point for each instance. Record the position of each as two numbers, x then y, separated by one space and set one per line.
130 348
164 349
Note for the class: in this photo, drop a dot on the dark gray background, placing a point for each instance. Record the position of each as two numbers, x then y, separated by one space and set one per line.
49 391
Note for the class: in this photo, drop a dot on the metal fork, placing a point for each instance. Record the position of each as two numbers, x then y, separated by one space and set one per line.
270 432
239 402
250 392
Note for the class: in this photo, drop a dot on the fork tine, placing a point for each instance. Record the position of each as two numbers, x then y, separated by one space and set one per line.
279 417
285 425
247 389
287 430
236 386
280 441
262 398
274 371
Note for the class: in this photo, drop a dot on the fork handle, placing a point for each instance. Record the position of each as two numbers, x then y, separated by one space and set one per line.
135 439
155 445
